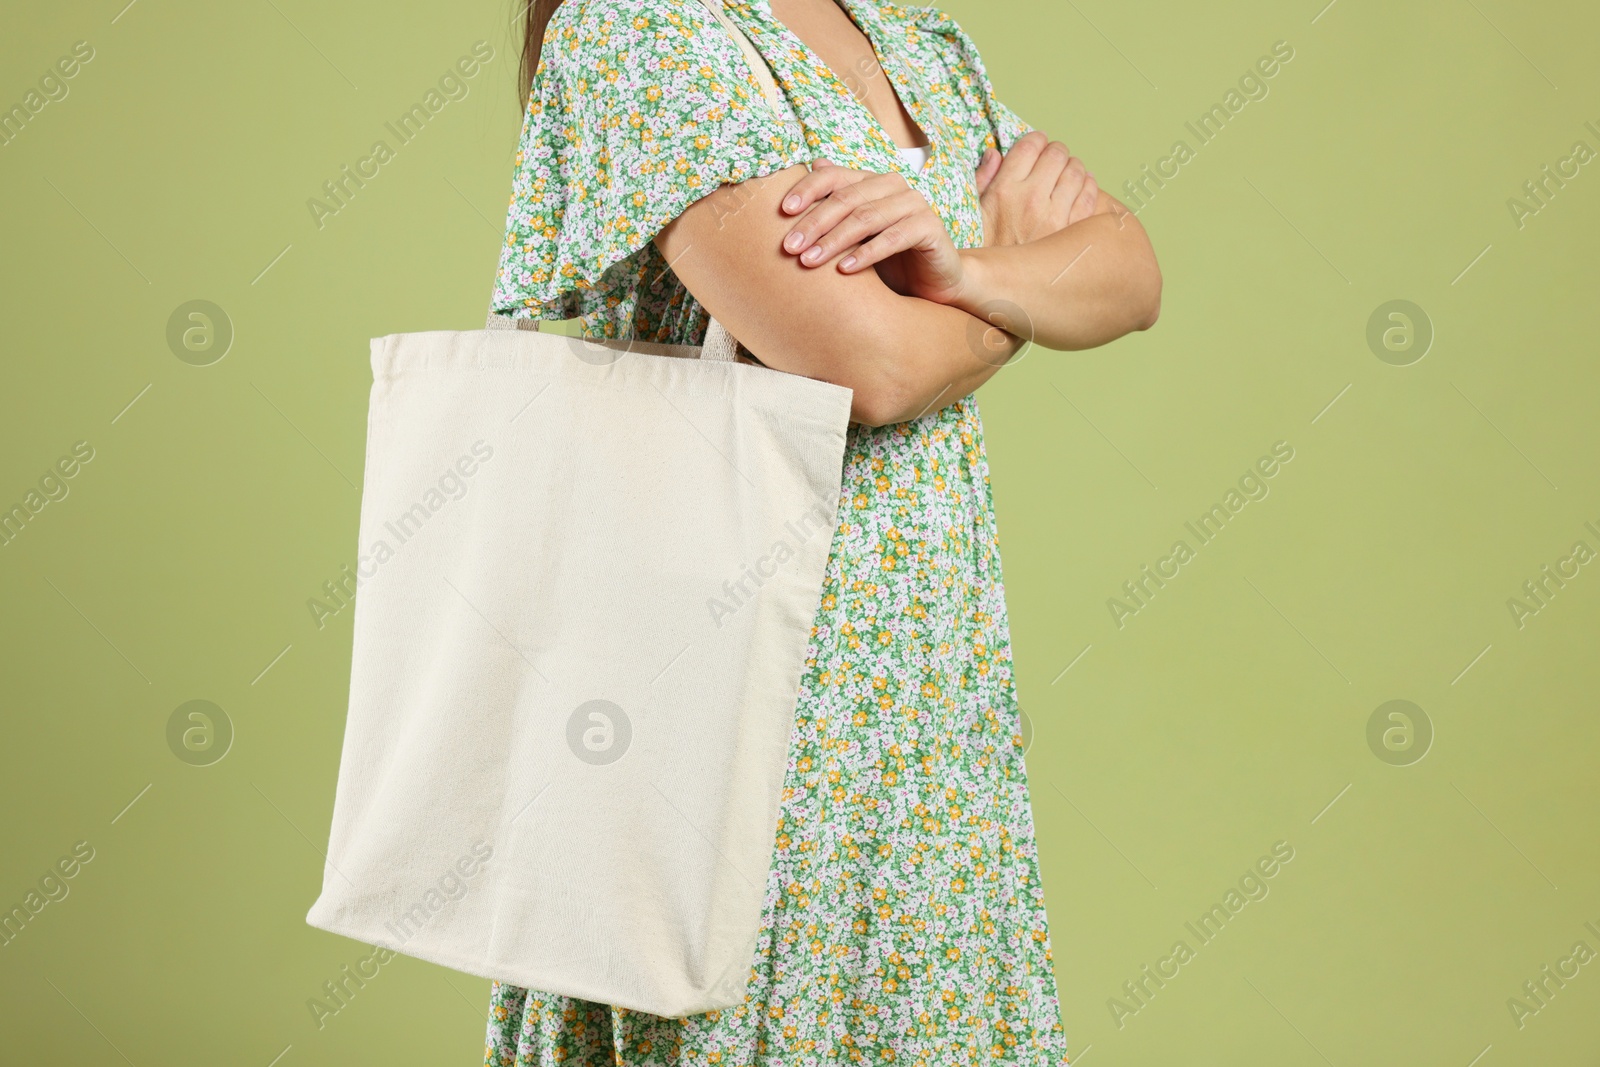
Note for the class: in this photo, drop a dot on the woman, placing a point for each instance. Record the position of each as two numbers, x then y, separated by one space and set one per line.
904 919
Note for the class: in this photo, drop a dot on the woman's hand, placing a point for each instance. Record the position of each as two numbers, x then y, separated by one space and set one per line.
1036 189
880 221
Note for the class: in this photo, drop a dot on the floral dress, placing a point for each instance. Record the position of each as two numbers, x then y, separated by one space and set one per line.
904 921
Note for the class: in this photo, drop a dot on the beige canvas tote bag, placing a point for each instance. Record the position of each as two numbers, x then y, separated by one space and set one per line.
588 575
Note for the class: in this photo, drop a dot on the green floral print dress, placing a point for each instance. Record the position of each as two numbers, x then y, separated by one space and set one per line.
904 921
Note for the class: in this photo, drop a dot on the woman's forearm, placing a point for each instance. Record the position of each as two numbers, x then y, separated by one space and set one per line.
1081 287
933 356
901 355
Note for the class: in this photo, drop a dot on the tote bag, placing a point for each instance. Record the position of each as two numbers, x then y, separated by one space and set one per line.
588 575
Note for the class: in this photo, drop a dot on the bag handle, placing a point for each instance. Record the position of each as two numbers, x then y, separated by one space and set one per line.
758 62
720 346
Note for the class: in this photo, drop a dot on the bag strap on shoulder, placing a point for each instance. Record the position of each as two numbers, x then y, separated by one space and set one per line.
720 346
758 63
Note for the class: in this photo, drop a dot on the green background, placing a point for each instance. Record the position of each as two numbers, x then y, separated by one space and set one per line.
1230 713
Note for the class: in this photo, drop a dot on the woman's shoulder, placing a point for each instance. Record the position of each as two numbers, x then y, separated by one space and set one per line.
640 108
928 28
597 15
951 59
585 31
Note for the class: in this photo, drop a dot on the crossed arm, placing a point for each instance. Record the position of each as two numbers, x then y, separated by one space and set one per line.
885 305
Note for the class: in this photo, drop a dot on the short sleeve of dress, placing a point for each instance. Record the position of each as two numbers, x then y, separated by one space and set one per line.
639 109
967 75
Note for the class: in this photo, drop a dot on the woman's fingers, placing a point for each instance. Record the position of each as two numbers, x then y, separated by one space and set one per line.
1018 163
1039 188
819 184
894 215
1069 184
871 216
849 198
1053 161
829 212
988 167
1086 202
911 232
1075 195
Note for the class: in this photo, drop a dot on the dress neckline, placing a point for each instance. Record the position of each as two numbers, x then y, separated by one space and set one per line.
888 62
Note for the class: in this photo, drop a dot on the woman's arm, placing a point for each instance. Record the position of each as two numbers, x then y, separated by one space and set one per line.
901 355
1081 287
1073 263
1082 284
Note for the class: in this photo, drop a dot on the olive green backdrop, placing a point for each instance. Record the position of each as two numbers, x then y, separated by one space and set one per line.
1444 850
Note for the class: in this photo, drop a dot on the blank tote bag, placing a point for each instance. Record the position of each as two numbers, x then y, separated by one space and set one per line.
588 575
